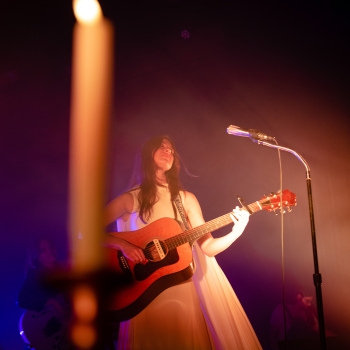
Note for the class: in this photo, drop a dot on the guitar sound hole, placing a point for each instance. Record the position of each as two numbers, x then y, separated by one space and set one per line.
151 251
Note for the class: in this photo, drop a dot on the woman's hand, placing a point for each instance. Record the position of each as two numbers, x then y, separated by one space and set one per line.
212 246
240 218
133 253
130 251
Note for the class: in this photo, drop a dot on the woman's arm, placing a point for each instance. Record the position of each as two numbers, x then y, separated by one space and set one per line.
121 207
210 245
118 207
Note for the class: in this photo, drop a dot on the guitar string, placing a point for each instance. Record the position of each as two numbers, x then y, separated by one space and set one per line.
195 233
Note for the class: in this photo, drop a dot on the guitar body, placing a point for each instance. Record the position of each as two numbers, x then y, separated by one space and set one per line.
44 330
142 283
169 252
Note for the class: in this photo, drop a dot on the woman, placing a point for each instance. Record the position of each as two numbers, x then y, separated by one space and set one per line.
186 316
300 317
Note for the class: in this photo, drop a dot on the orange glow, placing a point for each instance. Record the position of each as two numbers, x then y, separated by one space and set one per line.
85 304
83 335
89 132
87 11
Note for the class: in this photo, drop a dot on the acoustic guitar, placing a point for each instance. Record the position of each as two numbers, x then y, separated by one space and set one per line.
169 252
45 329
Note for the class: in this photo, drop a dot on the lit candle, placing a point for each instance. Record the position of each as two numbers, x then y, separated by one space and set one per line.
90 113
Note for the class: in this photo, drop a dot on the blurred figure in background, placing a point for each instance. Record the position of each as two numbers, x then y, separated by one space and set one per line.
44 324
301 321
34 295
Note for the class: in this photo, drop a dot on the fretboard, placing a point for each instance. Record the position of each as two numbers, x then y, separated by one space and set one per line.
195 233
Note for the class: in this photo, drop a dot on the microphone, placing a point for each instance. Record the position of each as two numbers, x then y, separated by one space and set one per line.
255 135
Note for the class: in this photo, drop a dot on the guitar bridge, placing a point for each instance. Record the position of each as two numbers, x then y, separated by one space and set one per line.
124 266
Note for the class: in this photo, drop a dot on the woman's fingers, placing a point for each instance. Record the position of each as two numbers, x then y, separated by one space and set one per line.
240 219
135 254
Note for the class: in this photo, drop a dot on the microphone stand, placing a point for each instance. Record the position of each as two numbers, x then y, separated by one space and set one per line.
317 276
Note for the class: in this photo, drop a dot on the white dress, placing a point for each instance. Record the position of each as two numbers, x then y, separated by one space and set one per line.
202 313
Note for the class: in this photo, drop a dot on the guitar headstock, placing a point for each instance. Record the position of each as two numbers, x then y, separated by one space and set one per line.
273 201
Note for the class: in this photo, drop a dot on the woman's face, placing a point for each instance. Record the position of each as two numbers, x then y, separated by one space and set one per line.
47 254
164 156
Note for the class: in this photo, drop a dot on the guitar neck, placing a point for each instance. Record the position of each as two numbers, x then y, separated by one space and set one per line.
194 234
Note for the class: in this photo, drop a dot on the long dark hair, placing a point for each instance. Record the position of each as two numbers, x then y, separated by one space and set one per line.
144 176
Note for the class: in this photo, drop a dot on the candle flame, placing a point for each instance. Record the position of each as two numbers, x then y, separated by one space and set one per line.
87 11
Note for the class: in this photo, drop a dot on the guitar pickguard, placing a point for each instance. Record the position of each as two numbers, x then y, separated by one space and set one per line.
142 272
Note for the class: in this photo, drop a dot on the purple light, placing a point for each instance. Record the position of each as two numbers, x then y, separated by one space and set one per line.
185 34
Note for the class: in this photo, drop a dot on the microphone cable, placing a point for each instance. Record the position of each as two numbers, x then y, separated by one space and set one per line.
282 246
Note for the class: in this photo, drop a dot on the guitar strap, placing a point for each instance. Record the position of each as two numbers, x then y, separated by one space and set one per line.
181 210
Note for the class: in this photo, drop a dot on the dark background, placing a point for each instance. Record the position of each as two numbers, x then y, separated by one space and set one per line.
281 67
